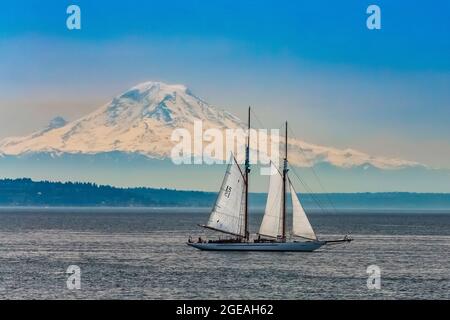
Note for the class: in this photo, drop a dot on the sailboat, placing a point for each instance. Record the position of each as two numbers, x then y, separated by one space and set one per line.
230 213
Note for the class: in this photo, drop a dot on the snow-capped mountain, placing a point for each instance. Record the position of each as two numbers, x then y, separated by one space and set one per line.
142 119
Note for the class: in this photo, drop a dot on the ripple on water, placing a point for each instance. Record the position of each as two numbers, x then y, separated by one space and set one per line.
142 255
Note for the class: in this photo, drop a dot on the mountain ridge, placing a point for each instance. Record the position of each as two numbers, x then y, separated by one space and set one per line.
142 119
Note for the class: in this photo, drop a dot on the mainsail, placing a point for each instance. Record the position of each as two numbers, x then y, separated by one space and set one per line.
272 221
300 223
228 213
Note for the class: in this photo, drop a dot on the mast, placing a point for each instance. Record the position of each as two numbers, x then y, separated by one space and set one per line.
247 171
285 170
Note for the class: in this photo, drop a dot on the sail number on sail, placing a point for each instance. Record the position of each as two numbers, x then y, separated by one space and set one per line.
228 191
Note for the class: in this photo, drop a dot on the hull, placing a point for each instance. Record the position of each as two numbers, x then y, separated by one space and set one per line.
268 246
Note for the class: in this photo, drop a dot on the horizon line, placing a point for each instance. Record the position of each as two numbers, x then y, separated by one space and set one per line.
2 179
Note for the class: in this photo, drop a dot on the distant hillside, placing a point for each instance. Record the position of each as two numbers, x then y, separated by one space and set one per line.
25 192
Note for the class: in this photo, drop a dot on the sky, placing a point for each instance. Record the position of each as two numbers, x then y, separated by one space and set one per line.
384 92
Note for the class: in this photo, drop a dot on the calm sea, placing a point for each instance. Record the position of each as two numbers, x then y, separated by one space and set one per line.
141 254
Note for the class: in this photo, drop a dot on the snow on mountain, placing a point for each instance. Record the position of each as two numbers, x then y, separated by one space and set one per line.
142 119
305 154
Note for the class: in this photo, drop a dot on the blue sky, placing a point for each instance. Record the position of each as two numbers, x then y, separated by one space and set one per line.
385 92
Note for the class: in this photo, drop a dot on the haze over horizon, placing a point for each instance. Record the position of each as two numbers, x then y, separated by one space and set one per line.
128 142
384 92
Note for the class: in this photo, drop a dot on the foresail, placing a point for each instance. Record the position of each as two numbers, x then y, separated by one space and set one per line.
300 223
272 221
228 212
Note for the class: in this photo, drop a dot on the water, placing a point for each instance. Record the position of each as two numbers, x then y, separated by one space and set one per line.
141 254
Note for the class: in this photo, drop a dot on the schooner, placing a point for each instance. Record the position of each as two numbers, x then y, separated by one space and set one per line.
230 213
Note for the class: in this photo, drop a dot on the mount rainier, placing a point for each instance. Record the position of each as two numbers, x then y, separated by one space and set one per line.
142 119
127 143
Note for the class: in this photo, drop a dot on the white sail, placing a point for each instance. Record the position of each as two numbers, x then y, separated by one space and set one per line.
300 223
271 225
229 210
